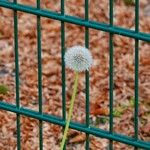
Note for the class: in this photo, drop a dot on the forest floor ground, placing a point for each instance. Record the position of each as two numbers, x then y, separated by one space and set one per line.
124 78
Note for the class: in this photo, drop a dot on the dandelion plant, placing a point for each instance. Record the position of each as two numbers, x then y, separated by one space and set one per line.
78 59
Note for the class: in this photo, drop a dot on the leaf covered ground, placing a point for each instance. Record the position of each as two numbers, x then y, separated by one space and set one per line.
51 75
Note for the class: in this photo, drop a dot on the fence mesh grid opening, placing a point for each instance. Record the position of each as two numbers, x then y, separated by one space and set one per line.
88 24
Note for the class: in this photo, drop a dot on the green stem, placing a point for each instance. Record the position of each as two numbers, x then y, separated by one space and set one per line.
70 111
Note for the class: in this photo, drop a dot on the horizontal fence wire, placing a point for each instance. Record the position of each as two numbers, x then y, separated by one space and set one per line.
77 21
77 126
111 29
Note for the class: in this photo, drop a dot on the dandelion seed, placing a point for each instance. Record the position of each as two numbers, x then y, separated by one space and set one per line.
78 58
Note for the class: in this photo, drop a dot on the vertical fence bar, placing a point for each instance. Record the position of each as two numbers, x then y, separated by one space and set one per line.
39 76
136 71
87 73
111 73
17 74
63 64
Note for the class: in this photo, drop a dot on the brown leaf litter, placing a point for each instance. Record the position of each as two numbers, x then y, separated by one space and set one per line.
51 75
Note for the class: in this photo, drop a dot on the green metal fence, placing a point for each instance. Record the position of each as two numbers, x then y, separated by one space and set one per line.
111 29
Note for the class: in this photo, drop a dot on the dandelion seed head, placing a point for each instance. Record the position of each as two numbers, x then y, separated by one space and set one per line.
78 58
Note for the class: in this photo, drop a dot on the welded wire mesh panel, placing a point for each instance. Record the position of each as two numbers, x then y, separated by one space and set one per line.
87 24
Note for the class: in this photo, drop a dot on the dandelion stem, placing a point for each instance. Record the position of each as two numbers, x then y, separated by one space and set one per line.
70 111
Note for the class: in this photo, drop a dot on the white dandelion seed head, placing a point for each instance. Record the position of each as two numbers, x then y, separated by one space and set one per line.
78 58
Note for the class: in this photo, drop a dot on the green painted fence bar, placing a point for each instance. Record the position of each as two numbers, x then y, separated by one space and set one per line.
17 75
87 110
39 76
88 24
80 127
63 63
136 71
78 21
111 73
